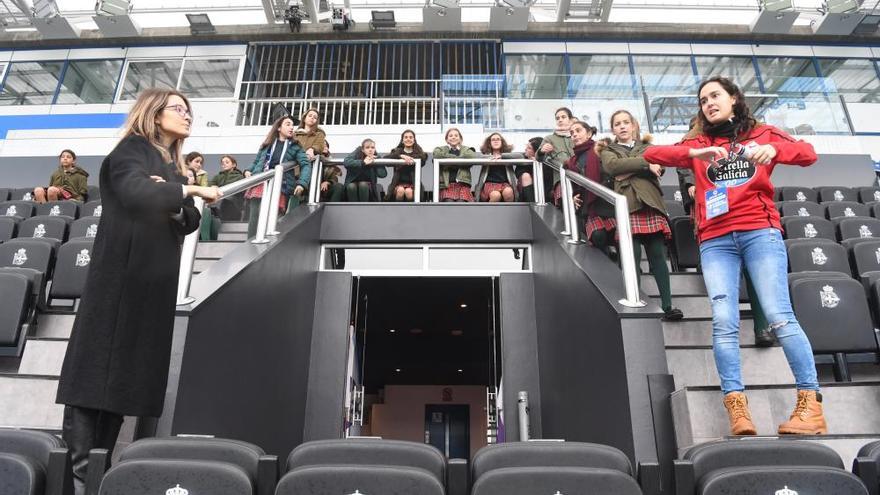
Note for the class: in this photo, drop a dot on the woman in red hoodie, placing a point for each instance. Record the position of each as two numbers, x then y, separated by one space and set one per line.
732 157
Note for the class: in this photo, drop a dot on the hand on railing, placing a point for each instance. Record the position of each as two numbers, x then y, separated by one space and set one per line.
209 193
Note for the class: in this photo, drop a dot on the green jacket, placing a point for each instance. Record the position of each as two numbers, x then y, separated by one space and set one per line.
632 178
355 160
225 177
299 175
463 173
201 178
76 182
563 149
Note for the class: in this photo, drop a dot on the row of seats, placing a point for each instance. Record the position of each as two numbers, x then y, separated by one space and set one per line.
821 194
36 463
71 209
57 227
829 210
27 193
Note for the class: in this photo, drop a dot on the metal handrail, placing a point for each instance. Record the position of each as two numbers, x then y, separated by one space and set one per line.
318 174
624 230
271 194
537 171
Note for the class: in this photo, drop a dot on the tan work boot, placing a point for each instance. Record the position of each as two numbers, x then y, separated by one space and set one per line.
807 418
737 406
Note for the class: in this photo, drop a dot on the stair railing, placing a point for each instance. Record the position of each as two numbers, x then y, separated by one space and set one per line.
537 171
318 175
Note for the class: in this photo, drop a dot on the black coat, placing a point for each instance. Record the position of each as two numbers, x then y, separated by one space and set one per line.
120 347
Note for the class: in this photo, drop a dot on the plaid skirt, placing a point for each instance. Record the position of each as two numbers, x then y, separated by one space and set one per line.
404 185
488 187
648 221
599 223
256 192
557 194
456 192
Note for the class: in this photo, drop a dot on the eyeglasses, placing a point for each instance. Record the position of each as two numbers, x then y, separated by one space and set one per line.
181 110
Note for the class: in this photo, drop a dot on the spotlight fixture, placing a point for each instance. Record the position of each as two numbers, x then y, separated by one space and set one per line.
382 19
114 19
113 7
840 18
463 305
340 20
774 17
200 24
441 15
49 22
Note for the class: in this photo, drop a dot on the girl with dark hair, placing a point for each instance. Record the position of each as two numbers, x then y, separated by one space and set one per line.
67 182
408 150
330 188
196 173
732 157
455 182
278 147
557 148
600 224
362 174
310 136
228 208
524 180
496 180
638 179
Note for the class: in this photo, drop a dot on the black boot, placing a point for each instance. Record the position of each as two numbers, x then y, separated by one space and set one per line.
528 193
764 338
83 430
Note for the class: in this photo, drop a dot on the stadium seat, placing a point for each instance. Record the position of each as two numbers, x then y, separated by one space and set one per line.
85 227
702 461
817 255
854 228
808 228
14 306
71 269
823 303
91 209
44 226
868 194
837 193
867 466
685 252
33 463
28 253
674 209
531 480
175 477
259 470
56 208
671 193
21 209
4 194
94 193
865 257
801 209
837 209
347 479
8 228
22 194
799 194
783 480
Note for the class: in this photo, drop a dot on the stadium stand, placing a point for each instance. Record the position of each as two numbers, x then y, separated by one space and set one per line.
20 209
33 463
800 209
867 466
63 208
45 226
808 228
91 209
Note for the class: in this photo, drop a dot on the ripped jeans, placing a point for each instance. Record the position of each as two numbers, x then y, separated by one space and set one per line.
763 254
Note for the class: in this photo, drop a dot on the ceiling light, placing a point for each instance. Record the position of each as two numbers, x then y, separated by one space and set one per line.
113 7
463 305
20 29
460 370
397 370
392 330
200 24
457 333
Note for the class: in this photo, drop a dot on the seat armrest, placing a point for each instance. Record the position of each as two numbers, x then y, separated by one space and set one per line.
648 475
59 480
684 477
457 474
267 474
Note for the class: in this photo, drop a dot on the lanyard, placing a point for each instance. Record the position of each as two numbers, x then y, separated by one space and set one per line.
272 151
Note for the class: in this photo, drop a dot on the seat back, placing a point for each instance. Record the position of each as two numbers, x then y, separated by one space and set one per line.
24 209
781 479
20 475
807 228
245 456
14 305
363 451
837 193
549 480
22 194
834 314
799 194
837 209
30 444
175 477
549 454
8 228
366 479
685 249
85 227
852 228
44 226
27 253
71 269
4 194
801 209
671 193
867 465
866 256
868 194
94 193
56 208
817 255
91 209
674 209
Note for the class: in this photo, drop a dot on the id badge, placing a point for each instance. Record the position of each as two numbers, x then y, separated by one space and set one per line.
716 202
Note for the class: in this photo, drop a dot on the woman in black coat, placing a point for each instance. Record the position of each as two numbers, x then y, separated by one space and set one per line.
120 347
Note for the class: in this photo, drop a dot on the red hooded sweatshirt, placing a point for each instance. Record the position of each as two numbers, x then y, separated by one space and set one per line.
749 190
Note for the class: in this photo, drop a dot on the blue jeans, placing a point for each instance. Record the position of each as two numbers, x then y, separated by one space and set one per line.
763 254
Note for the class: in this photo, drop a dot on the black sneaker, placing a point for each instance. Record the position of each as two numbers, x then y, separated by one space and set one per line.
672 314
765 338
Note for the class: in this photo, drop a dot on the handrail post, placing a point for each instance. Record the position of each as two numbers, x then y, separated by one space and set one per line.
538 182
566 197
314 181
437 163
627 255
572 215
188 259
274 199
417 187
263 219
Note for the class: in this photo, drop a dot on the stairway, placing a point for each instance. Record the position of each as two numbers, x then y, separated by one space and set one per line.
852 409
28 384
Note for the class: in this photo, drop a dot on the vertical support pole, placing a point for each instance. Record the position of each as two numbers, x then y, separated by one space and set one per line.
627 257
275 199
572 215
315 181
563 184
522 404
187 260
437 163
260 238
538 182
417 187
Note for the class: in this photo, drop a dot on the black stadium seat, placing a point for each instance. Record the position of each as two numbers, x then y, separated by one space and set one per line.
799 194
4 194
347 479
62 208
867 466
701 462
71 269
21 209
685 252
837 193
85 227
44 226
808 228
669 193
801 209
14 306
674 209
781 479
28 253
33 462
94 193
865 257
91 209
369 452
531 480
856 228
8 228
868 194
175 477
818 255
22 194
837 209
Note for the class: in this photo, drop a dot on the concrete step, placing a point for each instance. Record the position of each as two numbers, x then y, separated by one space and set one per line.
56 326
695 367
695 306
215 249
850 409
682 284
232 236
43 357
647 269
29 402
233 227
691 333
202 265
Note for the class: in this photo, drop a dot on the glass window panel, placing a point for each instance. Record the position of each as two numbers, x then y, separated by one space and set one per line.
600 76
149 74
500 259
536 76
856 79
209 78
788 75
31 83
740 70
89 81
357 258
669 83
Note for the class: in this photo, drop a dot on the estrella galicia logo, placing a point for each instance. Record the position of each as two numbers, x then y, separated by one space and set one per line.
731 173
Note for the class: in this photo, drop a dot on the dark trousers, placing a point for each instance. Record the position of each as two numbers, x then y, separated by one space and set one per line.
86 429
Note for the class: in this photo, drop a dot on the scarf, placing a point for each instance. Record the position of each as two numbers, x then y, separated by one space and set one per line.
728 129
563 133
586 162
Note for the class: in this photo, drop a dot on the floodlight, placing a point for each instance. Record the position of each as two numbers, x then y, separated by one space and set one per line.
441 18
382 19
113 7
841 6
447 4
117 26
200 24
340 20
775 17
503 18
49 22
868 25
44 9
840 18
